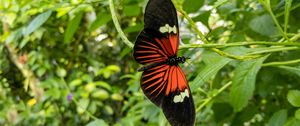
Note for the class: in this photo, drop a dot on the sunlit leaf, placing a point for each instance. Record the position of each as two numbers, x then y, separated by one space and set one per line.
72 28
37 22
97 123
100 94
61 72
297 114
103 85
102 18
117 97
294 97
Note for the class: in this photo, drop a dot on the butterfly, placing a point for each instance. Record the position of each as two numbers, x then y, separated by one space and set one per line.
163 81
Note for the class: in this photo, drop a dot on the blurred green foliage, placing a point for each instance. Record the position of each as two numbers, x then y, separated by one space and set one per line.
64 63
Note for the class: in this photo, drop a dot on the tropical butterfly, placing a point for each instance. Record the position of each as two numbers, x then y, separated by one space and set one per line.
163 81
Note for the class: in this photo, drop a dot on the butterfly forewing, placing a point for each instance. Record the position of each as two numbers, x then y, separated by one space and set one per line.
163 83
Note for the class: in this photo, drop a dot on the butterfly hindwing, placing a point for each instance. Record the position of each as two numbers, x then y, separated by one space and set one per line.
167 87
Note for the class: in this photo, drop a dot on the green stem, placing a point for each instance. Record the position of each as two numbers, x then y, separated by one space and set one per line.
267 6
225 54
281 63
288 4
213 96
295 37
236 44
193 24
277 49
202 37
292 8
117 24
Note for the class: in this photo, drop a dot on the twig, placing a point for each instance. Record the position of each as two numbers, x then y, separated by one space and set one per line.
281 63
207 100
117 24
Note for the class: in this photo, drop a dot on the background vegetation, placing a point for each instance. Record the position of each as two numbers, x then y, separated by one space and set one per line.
70 62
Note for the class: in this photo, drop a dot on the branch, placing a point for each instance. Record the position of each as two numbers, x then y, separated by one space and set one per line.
281 63
237 44
117 24
266 4
30 79
276 49
178 5
207 100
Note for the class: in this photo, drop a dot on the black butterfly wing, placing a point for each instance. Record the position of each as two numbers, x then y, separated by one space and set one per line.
164 85
167 87
159 13
160 37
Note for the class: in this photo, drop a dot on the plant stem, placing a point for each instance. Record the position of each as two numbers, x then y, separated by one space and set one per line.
281 63
30 80
207 100
274 50
178 5
288 4
236 44
295 37
267 6
292 8
117 24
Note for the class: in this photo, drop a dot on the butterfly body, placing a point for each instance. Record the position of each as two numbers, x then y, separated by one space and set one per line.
163 81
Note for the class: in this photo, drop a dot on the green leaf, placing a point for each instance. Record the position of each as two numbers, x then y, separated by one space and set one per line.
132 10
294 70
297 114
37 22
72 28
113 68
100 94
243 83
61 72
294 97
292 122
203 17
83 105
135 28
213 64
221 111
103 85
41 71
226 7
14 36
63 11
192 5
74 83
278 118
98 122
102 18
264 25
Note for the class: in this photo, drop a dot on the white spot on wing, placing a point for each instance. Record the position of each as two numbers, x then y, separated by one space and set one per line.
180 97
168 29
